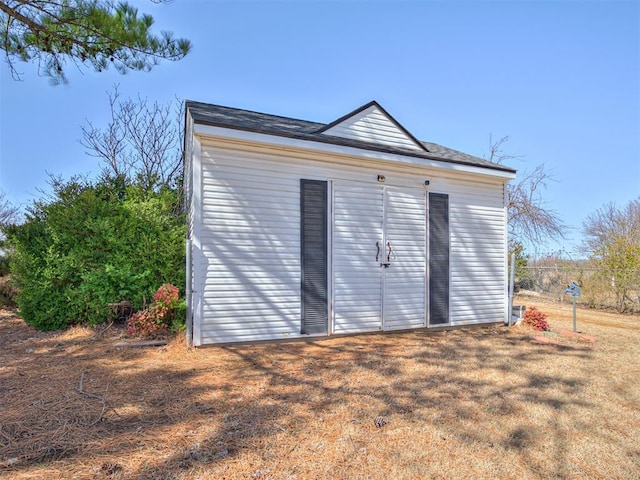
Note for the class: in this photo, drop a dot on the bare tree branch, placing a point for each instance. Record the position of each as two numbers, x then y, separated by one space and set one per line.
8 212
108 144
141 143
529 218
496 152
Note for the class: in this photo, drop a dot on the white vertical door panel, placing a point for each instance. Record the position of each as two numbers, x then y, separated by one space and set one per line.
405 278
368 296
357 277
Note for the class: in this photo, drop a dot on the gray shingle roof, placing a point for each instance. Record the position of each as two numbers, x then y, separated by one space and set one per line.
235 118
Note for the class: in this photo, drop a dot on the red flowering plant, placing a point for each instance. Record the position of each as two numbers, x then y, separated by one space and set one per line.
536 319
166 298
154 320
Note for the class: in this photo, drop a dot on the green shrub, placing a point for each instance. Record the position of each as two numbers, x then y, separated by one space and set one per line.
178 323
95 244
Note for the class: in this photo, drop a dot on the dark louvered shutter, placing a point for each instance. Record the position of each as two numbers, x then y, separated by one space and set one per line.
438 258
313 228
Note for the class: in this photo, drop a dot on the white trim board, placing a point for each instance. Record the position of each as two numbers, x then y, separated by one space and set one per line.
294 143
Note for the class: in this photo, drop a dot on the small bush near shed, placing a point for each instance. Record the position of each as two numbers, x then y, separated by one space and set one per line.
8 292
92 244
156 319
536 319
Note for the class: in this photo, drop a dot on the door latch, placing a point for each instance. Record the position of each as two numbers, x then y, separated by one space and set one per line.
385 265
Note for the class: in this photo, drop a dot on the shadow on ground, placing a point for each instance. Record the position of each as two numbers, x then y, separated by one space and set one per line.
75 401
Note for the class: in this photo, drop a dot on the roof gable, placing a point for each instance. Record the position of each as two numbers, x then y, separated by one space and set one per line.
262 123
372 124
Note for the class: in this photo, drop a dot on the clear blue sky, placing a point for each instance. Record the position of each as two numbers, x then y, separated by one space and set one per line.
560 78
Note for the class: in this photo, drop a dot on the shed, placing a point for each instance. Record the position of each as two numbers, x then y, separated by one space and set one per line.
299 229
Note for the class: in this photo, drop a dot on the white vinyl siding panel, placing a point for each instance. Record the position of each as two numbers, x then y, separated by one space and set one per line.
248 244
477 252
373 126
251 245
197 258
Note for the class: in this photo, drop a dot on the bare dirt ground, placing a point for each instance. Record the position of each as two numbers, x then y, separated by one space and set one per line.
478 403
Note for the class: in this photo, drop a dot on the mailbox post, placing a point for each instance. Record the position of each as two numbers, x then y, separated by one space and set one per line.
574 290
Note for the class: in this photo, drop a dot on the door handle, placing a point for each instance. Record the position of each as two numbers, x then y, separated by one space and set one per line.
385 265
389 252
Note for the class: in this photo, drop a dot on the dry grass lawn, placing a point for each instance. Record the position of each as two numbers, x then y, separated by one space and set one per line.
478 403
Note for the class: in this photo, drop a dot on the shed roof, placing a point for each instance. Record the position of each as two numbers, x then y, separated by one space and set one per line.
240 119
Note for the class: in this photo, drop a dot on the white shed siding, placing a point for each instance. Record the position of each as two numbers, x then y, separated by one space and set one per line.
373 126
251 244
197 257
248 229
477 271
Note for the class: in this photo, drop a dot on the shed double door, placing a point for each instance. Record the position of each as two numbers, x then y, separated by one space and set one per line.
379 257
